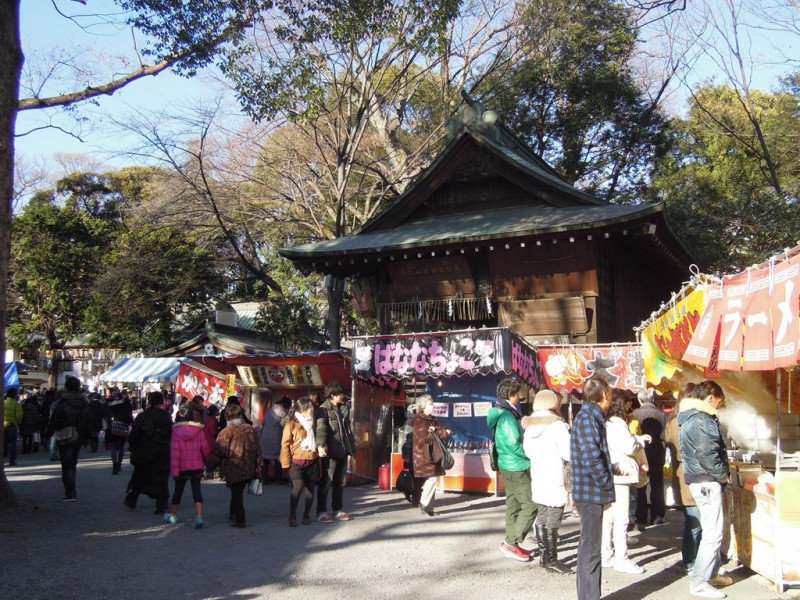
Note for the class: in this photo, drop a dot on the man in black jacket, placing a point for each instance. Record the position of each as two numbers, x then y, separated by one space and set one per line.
70 423
705 468
335 442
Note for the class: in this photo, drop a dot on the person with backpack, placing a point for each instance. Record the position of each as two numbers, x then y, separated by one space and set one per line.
514 468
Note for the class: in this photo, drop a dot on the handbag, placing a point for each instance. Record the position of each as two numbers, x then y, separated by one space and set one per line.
67 436
256 488
405 483
119 428
630 469
446 460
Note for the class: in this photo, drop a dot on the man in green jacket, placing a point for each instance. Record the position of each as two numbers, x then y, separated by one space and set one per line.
514 468
11 422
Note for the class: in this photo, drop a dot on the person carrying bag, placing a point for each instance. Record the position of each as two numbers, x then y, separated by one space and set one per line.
428 455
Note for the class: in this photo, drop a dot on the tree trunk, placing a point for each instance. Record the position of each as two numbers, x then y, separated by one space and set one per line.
10 68
335 297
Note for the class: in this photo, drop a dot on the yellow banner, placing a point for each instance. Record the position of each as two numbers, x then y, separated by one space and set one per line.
230 381
665 340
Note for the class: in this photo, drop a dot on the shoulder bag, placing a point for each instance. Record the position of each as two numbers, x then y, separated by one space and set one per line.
446 460
66 436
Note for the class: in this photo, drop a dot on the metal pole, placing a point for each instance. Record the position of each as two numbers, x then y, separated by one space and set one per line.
778 426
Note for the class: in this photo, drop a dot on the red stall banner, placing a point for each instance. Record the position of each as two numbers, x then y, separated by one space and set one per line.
566 368
732 318
193 380
757 353
785 306
751 321
702 347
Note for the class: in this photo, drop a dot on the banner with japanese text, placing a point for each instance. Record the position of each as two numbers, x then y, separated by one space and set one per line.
566 368
785 306
446 354
665 340
702 345
195 381
751 320
280 376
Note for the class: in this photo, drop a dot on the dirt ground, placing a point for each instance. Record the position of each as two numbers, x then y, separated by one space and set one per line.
96 548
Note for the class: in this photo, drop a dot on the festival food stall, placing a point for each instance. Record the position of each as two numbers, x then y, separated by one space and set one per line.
266 378
743 330
460 370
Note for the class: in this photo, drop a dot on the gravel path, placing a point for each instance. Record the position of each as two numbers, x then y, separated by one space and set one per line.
96 548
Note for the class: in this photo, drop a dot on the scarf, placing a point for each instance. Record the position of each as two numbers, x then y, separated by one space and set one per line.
500 403
309 443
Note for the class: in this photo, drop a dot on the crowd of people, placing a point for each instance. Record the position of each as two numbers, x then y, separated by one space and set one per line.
613 452
307 442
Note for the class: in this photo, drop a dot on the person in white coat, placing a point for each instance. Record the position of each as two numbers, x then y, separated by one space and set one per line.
622 445
546 444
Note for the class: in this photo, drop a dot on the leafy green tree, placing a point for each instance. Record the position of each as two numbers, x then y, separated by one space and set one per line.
58 252
719 188
575 100
157 285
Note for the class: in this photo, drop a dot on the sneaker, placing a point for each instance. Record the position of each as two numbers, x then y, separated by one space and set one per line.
170 519
325 518
198 522
69 499
514 552
721 581
342 516
626 565
706 591
607 564
633 540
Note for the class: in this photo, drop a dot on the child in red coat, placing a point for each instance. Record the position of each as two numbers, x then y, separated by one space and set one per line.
189 453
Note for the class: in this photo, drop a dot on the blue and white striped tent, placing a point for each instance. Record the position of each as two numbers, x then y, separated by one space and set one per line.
140 370
10 375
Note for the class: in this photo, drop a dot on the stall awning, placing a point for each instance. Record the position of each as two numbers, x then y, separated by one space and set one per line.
137 370
10 376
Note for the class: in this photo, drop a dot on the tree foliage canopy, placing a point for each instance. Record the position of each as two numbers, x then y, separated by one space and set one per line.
718 188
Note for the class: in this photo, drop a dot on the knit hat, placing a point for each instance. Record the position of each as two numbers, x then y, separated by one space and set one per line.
546 400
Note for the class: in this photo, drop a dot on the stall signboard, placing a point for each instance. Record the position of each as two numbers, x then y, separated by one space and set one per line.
751 321
445 354
193 381
665 340
566 368
280 376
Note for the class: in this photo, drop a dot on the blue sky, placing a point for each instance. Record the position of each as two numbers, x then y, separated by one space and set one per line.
43 27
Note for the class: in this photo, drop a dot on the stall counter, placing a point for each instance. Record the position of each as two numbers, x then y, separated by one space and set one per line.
766 528
470 473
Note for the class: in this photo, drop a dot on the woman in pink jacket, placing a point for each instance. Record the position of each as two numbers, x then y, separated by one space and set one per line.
189 453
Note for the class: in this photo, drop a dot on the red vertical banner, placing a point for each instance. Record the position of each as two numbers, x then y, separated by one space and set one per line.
785 308
757 353
700 348
731 336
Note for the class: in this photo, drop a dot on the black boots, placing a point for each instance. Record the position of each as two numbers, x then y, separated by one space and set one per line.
549 560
